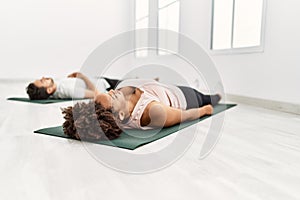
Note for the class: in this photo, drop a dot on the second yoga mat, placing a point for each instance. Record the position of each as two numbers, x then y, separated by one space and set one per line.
45 101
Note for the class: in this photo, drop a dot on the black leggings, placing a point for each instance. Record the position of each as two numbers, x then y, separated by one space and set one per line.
196 99
112 83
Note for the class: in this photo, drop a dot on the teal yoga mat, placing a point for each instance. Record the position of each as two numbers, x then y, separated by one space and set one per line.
45 101
133 139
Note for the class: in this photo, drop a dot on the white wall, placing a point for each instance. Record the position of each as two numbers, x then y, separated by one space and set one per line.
273 74
54 37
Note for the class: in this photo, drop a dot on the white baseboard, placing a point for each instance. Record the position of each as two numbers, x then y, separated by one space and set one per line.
269 104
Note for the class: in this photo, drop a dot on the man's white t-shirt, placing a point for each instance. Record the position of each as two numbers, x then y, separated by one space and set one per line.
75 88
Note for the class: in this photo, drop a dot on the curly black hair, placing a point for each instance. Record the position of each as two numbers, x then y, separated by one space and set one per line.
90 121
37 93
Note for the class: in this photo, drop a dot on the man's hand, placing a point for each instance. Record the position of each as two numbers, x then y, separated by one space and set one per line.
76 75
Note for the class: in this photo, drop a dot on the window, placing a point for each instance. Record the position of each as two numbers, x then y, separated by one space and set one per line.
168 18
162 14
237 25
141 21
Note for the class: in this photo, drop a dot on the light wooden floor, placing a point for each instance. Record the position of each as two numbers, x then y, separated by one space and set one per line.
257 157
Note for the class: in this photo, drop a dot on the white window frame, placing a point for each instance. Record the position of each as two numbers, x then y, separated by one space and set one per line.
153 22
241 50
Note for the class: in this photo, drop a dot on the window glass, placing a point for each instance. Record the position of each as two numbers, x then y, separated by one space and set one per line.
237 24
247 23
222 24
163 14
141 21
168 19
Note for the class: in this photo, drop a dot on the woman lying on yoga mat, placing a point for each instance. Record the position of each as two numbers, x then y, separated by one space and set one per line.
45 88
136 104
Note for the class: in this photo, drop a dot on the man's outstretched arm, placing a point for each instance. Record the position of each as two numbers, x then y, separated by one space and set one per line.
91 90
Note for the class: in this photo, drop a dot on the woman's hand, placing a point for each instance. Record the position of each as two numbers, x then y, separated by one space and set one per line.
207 110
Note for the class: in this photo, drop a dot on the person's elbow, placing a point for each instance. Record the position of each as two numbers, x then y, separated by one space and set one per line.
163 116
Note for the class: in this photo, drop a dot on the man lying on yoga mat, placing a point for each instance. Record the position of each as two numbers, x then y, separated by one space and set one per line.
45 88
136 104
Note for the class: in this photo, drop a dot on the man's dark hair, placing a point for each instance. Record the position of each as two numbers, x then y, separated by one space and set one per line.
90 121
37 93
